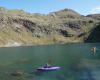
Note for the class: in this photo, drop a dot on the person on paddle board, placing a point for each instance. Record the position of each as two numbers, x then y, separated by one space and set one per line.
94 49
47 65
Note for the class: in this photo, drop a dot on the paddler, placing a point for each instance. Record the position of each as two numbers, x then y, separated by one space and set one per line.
93 49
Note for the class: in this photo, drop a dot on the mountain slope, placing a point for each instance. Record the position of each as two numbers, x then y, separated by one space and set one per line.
20 28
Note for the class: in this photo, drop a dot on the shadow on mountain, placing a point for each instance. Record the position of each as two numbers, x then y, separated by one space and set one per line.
94 36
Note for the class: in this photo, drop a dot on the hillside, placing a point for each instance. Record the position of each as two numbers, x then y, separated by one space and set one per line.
65 26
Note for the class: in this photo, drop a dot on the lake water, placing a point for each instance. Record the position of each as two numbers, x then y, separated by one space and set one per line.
77 62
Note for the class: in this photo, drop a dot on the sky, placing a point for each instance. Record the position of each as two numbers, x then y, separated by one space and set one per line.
83 7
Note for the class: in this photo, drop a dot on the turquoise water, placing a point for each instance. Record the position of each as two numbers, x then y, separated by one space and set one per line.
77 62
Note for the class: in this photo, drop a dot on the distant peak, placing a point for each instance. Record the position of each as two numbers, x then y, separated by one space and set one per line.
66 13
69 10
66 9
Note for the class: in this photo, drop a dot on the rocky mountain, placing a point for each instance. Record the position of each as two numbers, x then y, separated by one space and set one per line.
65 26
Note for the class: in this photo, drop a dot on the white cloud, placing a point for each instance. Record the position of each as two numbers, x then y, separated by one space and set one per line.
95 10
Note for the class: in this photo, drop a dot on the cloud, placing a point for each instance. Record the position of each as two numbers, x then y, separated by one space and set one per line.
95 10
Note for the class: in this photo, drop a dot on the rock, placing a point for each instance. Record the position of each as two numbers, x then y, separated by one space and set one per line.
12 44
17 73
